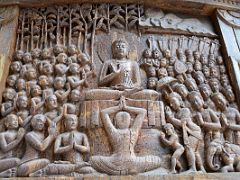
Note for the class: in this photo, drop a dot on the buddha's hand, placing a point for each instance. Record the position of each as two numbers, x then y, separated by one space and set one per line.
21 133
114 69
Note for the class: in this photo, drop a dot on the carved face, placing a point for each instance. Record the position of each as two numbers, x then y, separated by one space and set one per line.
229 95
19 55
12 121
198 66
163 62
219 101
74 68
38 122
182 91
45 53
172 61
83 59
205 91
199 78
71 122
169 129
220 60
9 94
148 53
36 91
174 103
62 58
16 66
58 49
191 84
196 101
72 50
122 120
222 69
75 95
151 72
36 53
224 80
120 50
11 80
214 72
214 85
156 54
162 72
196 55
170 71
43 81
22 102
21 84
52 102
59 83
203 60
152 83
206 71
48 69
167 53
190 67
31 74
27 58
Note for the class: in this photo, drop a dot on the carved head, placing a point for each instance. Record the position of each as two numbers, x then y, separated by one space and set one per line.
152 82
16 66
191 84
196 55
83 58
75 95
147 53
175 101
196 100
167 53
188 52
27 58
162 72
211 60
59 82
199 77
181 90
122 120
203 59
219 101
229 94
74 68
21 84
70 122
72 49
222 69
198 66
62 58
36 90
46 53
19 55
11 121
205 90
151 71
214 84
214 72
52 102
120 49
156 54
22 102
31 74
11 80
47 69
224 80
9 94
38 122
190 67
163 63
220 60
206 71
58 49
169 129
43 81
36 53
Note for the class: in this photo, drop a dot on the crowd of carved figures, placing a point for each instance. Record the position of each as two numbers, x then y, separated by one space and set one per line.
48 85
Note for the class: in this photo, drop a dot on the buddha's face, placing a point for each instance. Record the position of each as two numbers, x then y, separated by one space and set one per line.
120 50
71 122
174 103
16 66
38 122
122 119
12 121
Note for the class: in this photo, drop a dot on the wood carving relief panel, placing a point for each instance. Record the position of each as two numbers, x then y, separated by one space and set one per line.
89 92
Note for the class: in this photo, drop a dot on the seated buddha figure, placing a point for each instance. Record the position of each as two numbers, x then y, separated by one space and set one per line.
120 76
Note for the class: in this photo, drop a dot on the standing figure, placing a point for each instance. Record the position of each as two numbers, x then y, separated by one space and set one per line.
173 142
123 139
191 132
